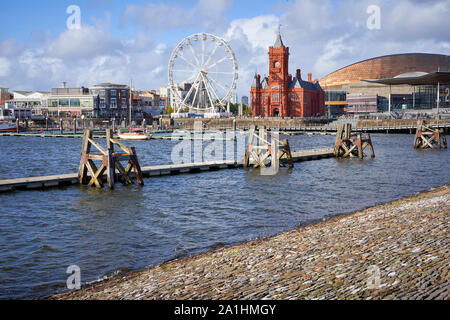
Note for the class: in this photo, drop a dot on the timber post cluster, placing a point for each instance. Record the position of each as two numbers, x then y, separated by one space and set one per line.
261 152
428 137
89 174
350 145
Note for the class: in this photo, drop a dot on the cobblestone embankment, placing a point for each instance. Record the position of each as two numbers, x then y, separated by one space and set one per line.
405 243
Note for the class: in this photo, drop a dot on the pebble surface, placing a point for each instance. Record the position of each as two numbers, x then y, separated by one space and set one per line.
399 250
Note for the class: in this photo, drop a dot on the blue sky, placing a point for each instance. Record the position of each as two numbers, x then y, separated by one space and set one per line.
122 39
31 16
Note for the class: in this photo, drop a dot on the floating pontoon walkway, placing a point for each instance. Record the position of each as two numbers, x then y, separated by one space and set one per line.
63 180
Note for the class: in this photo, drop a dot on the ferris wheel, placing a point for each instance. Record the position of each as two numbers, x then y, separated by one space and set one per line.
202 74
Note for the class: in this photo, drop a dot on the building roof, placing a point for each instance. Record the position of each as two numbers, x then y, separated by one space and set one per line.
387 66
256 83
278 42
110 85
265 83
416 79
299 83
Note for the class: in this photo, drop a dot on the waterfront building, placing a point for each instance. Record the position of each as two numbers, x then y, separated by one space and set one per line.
4 96
113 99
9 112
164 96
29 99
71 102
349 82
280 94
168 95
27 104
149 103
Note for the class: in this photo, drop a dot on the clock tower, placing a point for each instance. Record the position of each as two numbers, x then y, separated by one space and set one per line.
282 95
278 61
278 76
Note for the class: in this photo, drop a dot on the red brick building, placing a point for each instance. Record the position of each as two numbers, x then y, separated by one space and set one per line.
4 96
281 95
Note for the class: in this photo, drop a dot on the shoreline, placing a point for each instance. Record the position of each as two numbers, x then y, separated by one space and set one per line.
331 259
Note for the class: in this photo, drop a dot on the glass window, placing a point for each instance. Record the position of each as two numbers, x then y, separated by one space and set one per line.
113 93
102 103
64 102
102 92
53 103
86 103
113 103
74 102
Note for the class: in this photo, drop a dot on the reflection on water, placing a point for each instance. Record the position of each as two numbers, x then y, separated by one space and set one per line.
44 232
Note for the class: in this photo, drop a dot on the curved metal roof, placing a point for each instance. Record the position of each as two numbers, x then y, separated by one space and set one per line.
390 55
426 79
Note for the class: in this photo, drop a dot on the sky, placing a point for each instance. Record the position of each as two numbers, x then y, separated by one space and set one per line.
120 40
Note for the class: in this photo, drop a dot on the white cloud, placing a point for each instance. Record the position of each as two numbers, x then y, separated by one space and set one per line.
5 67
322 37
86 42
259 31
9 48
158 16
335 51
161 16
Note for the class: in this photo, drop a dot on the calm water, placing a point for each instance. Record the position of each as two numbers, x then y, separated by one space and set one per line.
44 232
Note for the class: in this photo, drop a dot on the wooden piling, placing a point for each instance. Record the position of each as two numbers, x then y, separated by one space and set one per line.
429 137
261 150
350 145
110 162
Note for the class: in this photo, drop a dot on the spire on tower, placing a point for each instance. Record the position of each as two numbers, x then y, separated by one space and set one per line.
279 41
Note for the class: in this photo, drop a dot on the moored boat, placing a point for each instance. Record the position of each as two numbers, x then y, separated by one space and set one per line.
135 134
8 127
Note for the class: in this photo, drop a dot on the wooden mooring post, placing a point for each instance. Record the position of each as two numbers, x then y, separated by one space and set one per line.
261 152
110 162
428 137
350 145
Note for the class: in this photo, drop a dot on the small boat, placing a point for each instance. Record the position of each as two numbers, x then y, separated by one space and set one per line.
135 134
7 127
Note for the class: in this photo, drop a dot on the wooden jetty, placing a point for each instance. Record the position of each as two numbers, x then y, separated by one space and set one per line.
262 151
96 134
350 144
33 183
110 161
429 137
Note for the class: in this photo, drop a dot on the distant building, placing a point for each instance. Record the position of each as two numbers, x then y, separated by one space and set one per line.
165 96
70 102
149 103
169 97
28 103
346 92
113 99
362 103
234 99
245 101
29 99
4 96
282 95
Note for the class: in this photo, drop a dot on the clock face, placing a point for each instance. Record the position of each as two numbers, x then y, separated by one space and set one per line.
277 64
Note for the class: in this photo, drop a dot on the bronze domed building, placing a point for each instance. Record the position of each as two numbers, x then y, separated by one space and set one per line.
347 82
